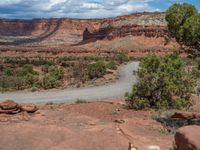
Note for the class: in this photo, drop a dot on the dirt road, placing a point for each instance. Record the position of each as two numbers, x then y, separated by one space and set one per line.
108 91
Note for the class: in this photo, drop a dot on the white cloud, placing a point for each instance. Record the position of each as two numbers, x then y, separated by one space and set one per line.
73 8
8 2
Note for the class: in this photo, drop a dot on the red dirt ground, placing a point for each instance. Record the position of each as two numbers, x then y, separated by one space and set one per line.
86 126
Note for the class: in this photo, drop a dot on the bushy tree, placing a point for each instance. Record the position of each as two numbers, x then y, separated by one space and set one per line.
163 83
184 24
177 15
190 31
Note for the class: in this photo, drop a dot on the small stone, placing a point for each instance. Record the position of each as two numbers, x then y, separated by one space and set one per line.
153 147
132 147
121 121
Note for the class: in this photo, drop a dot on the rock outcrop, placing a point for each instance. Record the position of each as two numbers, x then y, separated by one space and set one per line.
134 30
11 107
187 138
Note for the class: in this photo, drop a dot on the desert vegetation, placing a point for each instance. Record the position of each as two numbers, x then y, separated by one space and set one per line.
39 73
164 82
168 82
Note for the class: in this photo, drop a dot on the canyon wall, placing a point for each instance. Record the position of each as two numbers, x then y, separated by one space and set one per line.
74 31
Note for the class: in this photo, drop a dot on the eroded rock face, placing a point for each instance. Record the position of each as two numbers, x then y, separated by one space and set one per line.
73 31
187 138
134 30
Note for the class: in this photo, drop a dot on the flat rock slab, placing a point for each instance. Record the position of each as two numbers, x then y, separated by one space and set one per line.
188 138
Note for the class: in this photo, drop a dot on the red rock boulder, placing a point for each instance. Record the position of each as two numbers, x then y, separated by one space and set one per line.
188 138
9 107
9 104
30 108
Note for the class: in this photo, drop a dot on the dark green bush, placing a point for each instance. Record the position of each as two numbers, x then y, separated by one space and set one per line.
195 73
177 15
111 65
8 72
163 83
96 70
184 24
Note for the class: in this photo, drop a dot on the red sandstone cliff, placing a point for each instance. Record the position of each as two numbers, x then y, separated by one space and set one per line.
133 34
73 31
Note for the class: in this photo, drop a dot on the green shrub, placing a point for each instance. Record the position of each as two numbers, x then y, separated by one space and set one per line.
163 83
96 70
198 91
31 79
121 58
26 69
8 72
111 65
195 73
57 73
53 78
12 83
18 79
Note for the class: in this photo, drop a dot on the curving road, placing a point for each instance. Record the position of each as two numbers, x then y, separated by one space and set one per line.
108 91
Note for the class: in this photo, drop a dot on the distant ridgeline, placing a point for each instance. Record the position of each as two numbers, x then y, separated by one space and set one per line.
73 31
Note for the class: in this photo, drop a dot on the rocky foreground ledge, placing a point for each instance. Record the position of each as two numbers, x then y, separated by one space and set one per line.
88 125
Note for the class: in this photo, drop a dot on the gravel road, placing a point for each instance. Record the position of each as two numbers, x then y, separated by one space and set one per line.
108 91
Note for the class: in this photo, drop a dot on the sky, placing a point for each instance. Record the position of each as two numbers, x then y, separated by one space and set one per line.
84 9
